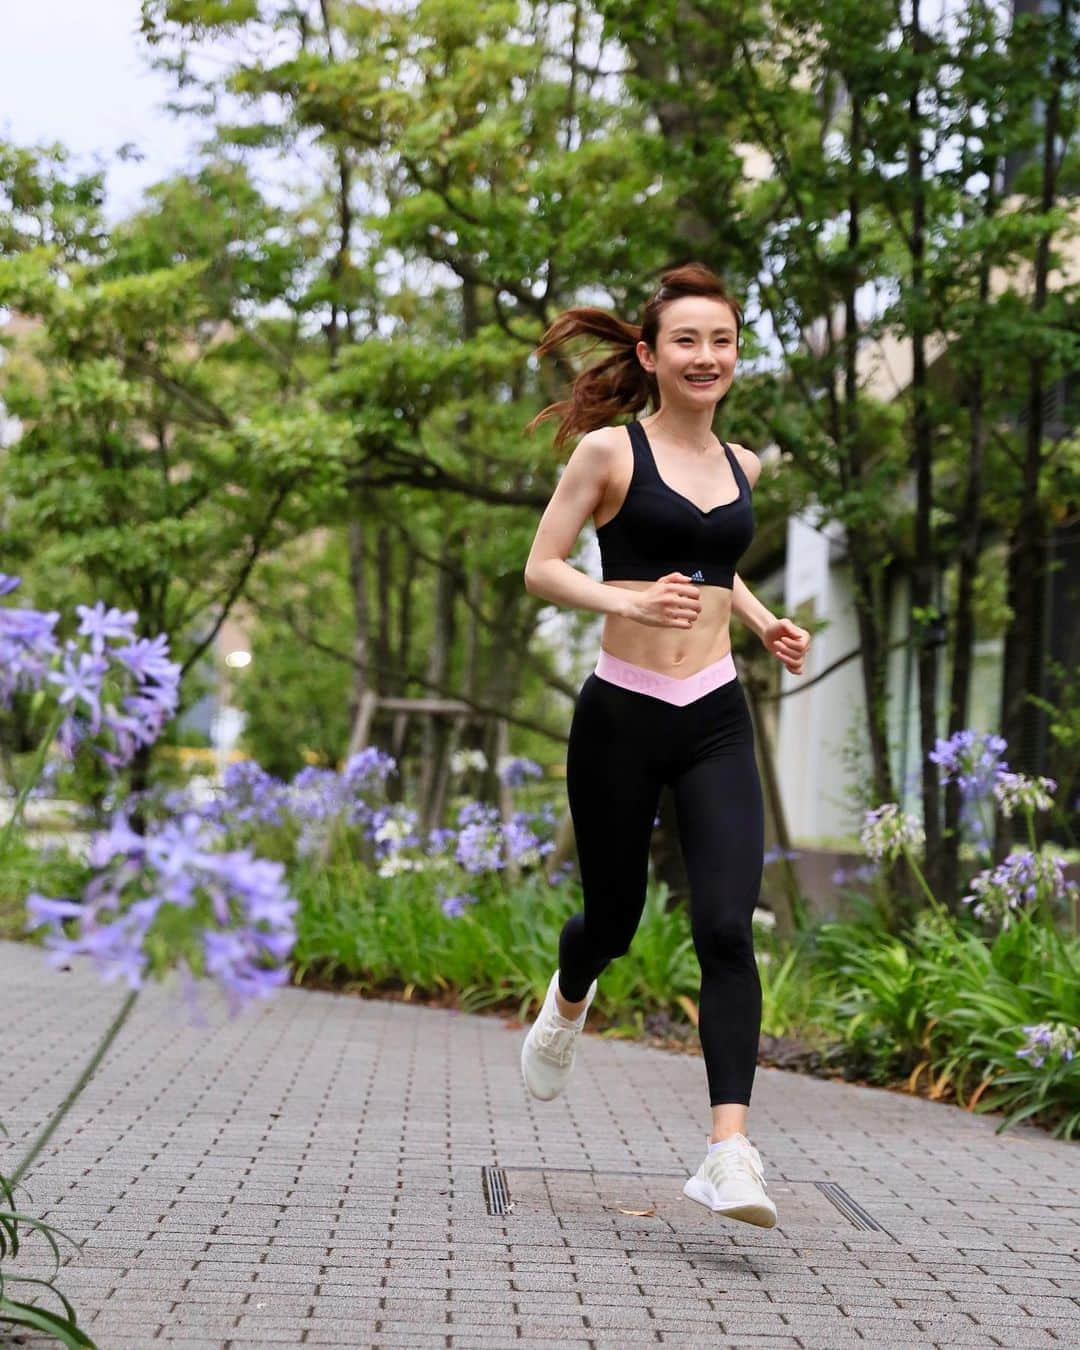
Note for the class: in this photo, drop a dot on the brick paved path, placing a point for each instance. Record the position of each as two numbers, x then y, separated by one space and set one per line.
314 1173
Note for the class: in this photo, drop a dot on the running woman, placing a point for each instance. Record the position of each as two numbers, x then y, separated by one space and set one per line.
672 508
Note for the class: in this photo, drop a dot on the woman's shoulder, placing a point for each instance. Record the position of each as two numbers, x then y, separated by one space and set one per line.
748 461
608 437
603 447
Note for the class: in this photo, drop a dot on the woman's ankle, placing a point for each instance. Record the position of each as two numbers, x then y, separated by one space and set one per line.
571 1011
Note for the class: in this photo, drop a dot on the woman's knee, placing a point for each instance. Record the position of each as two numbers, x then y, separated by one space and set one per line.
619 947
605 944
724 937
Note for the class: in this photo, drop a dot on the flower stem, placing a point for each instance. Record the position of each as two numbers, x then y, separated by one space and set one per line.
61 1111
987 829
31 778
1031 830
934 902
1045 908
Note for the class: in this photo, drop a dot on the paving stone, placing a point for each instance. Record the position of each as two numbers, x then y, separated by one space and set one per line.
321 1157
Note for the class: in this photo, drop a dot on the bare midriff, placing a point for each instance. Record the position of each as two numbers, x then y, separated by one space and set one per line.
672 651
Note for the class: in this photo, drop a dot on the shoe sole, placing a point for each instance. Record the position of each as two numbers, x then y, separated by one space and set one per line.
761 1216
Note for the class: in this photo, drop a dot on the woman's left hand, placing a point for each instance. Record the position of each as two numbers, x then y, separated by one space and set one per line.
787 642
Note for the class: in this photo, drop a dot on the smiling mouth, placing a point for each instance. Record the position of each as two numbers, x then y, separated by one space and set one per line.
702 379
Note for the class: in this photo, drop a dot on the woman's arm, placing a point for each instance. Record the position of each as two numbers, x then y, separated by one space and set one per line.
782 637
577 495
747 607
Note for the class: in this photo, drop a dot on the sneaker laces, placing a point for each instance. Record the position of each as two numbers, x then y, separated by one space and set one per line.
557 1043
724 1164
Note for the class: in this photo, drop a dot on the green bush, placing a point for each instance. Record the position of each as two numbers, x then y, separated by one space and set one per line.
950 1003
49 869
359 929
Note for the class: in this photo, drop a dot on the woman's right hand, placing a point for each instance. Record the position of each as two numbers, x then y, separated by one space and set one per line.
673 601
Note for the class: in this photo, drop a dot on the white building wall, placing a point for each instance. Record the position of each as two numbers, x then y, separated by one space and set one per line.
819 726
821 738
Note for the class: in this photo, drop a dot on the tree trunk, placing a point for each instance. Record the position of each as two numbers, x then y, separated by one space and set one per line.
405 599
969 549
435 735
785 896
440 791
923 571
364 696
1024 657
505 793
139 782
873 654
385 681
509 637
470 676
870 614
565 849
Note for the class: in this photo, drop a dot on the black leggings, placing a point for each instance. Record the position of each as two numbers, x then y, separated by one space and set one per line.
624 745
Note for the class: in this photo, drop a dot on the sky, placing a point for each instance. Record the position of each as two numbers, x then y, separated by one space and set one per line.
75 71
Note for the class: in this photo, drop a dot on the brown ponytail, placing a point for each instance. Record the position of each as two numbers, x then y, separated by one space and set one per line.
620 384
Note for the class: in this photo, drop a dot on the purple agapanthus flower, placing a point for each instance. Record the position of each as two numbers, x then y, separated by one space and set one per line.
440 840
89 674
479 841
970 758
249 793
515 770
973 760
170 899
521 843
998 892
148 659
453 906
27 645
369 768
80 679
775 854
1049 1040
100 624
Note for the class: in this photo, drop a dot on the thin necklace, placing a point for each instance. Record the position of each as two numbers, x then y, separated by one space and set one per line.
700 449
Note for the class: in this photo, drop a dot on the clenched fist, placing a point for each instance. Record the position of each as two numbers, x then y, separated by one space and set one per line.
673 601
788 642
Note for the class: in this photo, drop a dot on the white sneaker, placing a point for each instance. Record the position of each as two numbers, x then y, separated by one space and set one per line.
731 1182
547 1056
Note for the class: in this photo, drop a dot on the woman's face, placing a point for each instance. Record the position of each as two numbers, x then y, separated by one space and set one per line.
697 338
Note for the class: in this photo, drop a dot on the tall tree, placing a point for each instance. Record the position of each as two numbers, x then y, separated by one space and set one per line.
1045 45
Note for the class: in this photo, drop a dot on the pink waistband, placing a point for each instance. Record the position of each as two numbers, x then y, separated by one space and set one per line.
670 688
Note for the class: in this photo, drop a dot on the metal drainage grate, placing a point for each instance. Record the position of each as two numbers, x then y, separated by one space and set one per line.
795 1203
496 1191
850 1209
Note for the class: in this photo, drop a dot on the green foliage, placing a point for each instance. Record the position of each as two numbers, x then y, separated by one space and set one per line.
63 1326
790 985
950 1003
364 931
48 868
41 206
296 693
877 999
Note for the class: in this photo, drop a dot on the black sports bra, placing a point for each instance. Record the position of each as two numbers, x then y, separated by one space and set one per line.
658 530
